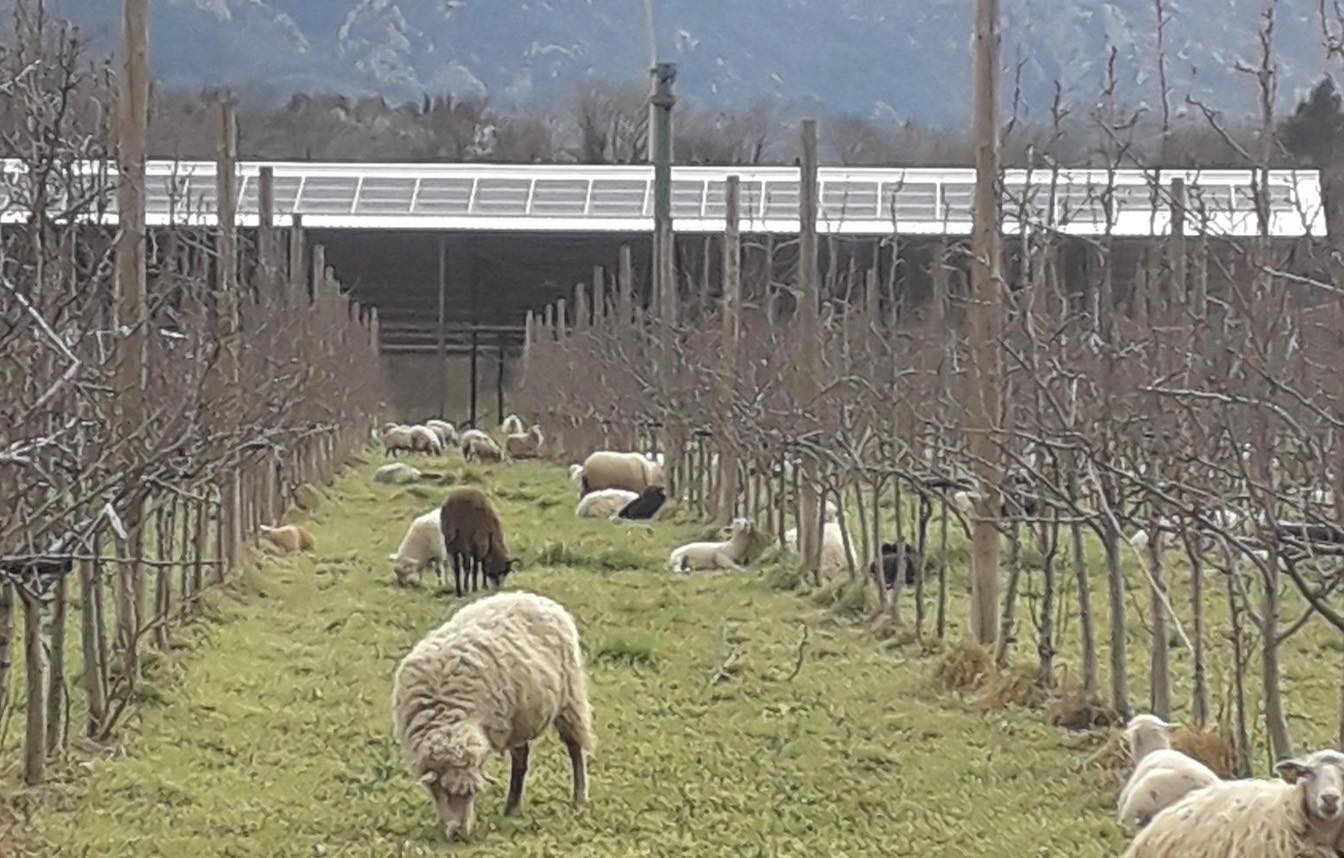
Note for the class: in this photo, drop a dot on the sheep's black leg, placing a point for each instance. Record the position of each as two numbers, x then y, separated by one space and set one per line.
517 774
579 764
457 575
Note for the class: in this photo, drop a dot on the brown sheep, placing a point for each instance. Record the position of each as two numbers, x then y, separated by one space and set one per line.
473 535
524 445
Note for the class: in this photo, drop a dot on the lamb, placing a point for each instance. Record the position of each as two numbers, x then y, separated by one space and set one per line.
446 431
421 546
489 680
426 440
396 439
604 503
633 472
400 474
646 506
1301 815
287 539
474 537
894 555
512 425
716 555
478 445
1162 776
525 445
576 472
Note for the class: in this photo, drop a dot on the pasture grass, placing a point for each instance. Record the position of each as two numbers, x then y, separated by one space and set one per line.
733 716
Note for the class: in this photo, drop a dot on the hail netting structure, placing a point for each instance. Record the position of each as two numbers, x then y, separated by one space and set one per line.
1175 359
127 493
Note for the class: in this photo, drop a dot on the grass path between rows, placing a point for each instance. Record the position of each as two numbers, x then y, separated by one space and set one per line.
271 736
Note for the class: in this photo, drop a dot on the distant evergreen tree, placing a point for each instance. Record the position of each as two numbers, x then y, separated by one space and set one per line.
1315 133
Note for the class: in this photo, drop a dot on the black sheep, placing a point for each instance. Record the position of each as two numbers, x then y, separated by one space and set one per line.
891 558
645 506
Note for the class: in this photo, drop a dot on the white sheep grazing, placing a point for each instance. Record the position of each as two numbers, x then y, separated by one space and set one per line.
426 440
478 445
1302 815
604 503
512 425
1162 776
491 679
421 546
715 555
400 474
446 431
396 439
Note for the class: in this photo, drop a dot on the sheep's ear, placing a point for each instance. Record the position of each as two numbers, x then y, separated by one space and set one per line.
1292 770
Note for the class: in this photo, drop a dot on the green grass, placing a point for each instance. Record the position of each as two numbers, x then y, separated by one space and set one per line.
271 736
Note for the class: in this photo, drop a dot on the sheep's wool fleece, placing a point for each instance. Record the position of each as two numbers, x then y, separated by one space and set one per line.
509 662
604 503
1232 819
630 471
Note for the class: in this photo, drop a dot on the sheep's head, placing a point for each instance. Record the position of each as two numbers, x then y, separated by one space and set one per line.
452 769
1146 733
741 528
499 566
404 569
576 472
1320 776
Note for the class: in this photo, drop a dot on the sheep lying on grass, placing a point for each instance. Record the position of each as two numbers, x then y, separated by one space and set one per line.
1301 815
288 539
491 679
473 536
400 474
1162 776
833 557
478 445
633 472
525 445
604 503
421 546
715 555
646 506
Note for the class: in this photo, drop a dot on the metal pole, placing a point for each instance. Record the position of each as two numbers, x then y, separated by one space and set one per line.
499 376
441 368
474 349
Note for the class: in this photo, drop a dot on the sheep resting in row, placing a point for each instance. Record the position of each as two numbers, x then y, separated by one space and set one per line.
421 546
491 679
287 539
604 503
478 445
646 506
607 469
525 445
400 474
716 555
1301 815
473 536
1162 775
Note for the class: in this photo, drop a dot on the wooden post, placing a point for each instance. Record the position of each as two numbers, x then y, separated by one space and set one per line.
809 324
664 266
732 299
298 258
90 619
1180 284
266 236
529 331
984 315
441 334
580 307
625 284
319 272
599 295
34 740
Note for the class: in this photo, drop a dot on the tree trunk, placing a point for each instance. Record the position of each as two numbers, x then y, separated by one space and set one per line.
1115 580
56 704
1159 668
1276 722
89 621
34 740
1087 636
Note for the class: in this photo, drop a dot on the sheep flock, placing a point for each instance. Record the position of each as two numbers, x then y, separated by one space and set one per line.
508 666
